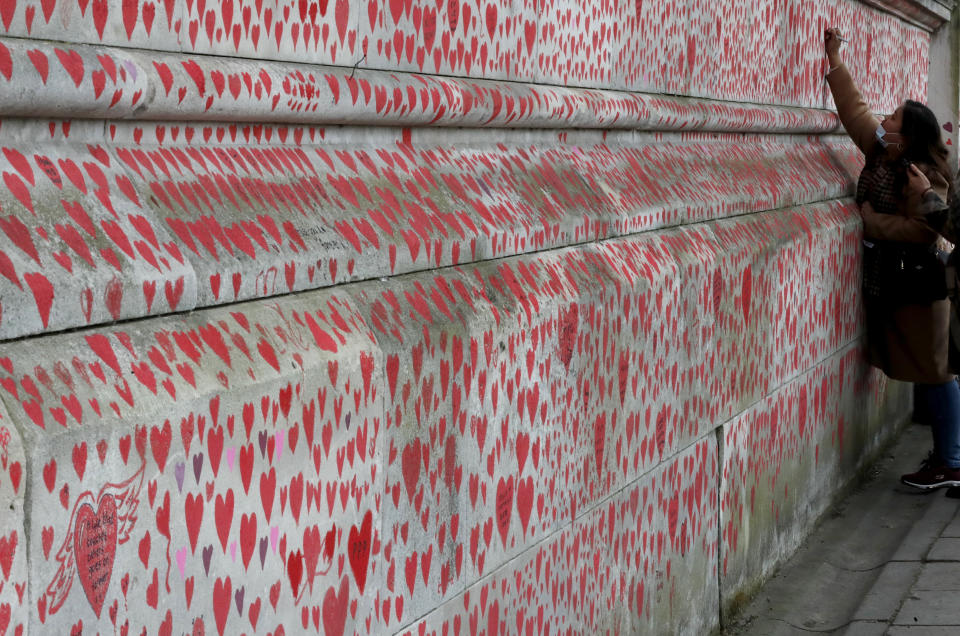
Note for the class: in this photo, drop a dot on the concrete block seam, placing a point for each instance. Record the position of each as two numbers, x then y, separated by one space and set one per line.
350 246
151 85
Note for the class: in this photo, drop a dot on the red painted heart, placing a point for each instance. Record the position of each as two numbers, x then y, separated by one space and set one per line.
358 546
94 547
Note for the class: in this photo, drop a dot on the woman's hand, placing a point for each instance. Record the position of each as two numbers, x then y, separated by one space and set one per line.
831 44
866 211
917 182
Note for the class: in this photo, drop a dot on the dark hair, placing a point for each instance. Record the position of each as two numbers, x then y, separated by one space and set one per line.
924 144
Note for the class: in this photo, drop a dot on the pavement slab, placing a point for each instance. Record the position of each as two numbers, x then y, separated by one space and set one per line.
945 549
883 599
866 628
774 627
864 570
928 528
953 530
811 602
930 607
939 576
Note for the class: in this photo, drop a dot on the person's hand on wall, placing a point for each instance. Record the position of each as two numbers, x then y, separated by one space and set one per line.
831 44
917 182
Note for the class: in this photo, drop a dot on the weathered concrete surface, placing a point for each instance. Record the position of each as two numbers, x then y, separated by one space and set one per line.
784 457
856 573
635 564
165 86
216 467
283 188
493 372
944 98
701 51
98 229
14 597
446 426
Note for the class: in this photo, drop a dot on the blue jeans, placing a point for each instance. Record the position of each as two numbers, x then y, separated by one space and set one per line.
941 404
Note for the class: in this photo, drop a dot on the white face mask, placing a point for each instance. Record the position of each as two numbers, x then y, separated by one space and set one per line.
880 132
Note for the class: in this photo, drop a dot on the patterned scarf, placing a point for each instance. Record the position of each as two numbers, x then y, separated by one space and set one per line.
876 186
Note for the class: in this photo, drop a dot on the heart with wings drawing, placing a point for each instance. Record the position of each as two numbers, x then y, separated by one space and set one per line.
97 526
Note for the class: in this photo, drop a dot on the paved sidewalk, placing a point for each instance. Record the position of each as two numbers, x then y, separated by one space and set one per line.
885 561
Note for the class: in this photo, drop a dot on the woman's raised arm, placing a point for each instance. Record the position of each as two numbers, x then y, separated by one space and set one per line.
860 122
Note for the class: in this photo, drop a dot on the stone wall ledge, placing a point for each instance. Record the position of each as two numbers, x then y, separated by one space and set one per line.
165 218
397 445
929 15
40 79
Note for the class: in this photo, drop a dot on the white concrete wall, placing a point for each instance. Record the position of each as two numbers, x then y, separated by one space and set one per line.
549 320
944 81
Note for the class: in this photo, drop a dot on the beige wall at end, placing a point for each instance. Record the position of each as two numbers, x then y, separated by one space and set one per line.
945 80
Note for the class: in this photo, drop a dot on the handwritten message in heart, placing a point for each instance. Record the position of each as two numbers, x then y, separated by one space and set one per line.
95 547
